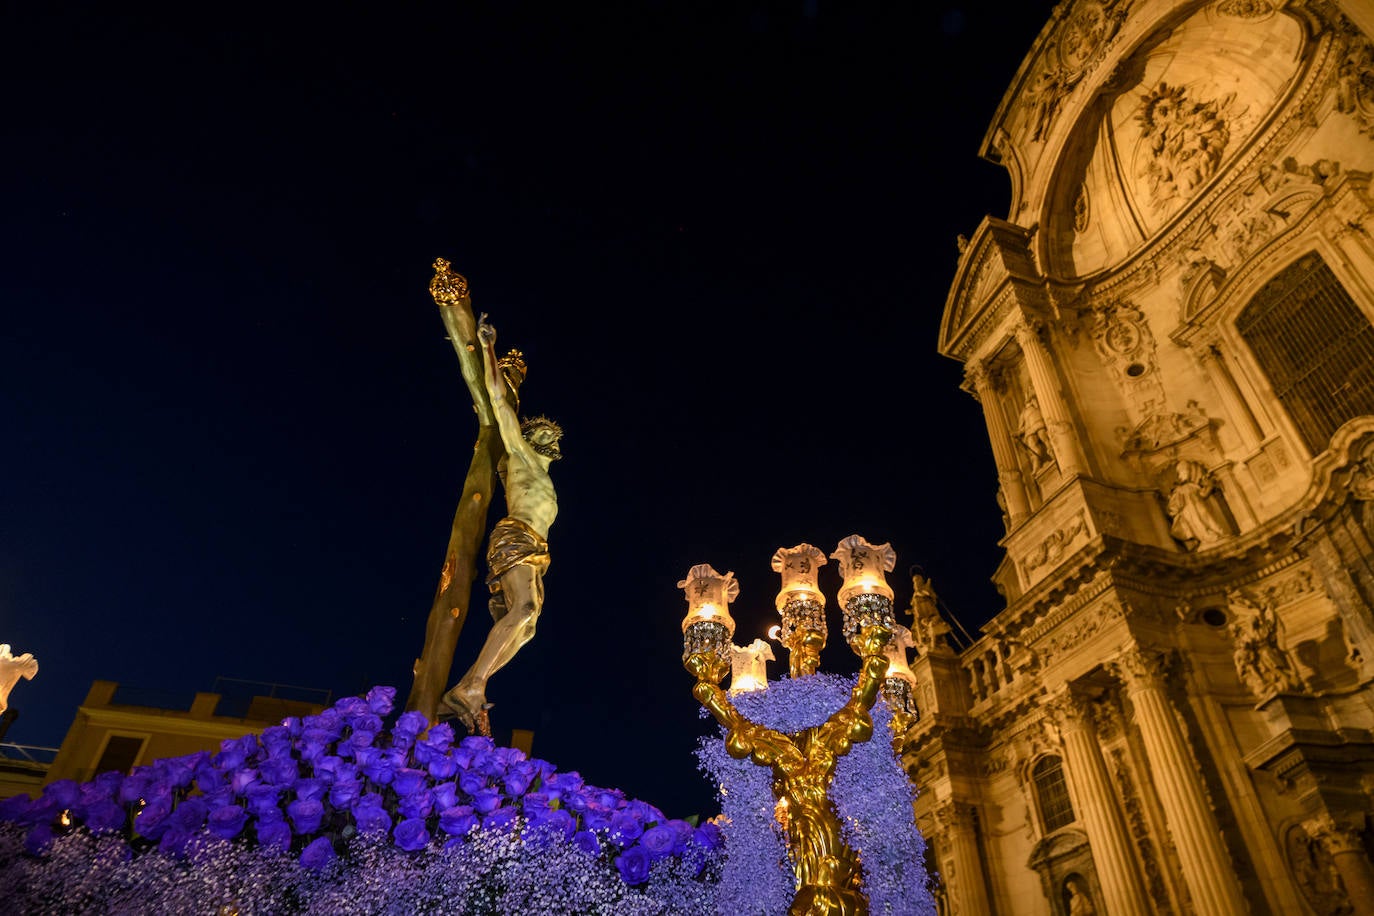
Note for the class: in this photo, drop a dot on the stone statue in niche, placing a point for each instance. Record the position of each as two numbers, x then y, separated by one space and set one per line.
12 668
928 628
1077 900
1196 506
1261 663
1034 435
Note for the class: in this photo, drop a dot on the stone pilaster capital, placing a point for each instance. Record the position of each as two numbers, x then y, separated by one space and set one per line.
1141 669
1067 711
952 816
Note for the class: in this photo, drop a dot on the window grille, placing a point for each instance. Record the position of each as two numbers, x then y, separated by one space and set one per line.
1053 793
1316 347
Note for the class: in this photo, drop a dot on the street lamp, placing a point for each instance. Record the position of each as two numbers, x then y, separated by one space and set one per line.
829 879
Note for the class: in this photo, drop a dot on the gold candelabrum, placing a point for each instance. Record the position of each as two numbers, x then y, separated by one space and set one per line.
829 878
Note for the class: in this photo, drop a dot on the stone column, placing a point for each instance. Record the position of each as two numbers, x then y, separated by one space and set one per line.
964 882
1214 366
1095 805
1348 854
1003 451
1045 383
1203 857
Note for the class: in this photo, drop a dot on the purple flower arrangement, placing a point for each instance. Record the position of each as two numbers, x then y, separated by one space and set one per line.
872 796
336 812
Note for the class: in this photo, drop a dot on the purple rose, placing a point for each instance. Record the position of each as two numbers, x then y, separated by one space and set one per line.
372 818
633 865
152 820
597 817
471 781
625 828
500 819
408 781
305 814
411 835
708 835
486 800
104 817
280 771
347 707
409 725
318 853
262 799
457 820
14 807
277 740
563 783
381 699
644 812
309 787
190 814
343 792
375 765
65 792
586 841
658 840
274 833
227 821
242 779
234 752
519 778
445 795
441 766
556 821
134 787
435 743
418 805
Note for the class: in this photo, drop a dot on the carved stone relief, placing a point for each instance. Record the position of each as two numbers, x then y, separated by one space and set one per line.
1245 9
1355 82
1056 545
1315 873
1072 53
1184 138
1123 339
1262 664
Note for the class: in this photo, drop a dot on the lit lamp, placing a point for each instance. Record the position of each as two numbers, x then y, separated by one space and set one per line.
899 683
749 666
801 606
865 596
828 873
708 626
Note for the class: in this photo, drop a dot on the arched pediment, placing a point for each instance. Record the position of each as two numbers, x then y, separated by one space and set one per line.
997 255
1184 105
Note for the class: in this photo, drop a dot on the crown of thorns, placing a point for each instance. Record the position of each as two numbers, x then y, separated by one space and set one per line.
533 423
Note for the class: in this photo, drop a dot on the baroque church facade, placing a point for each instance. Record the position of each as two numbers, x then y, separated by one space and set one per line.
1171 338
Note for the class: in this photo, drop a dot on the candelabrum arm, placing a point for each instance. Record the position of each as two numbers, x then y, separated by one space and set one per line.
742 737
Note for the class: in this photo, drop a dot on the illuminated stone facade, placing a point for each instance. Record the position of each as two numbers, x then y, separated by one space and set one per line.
1170 339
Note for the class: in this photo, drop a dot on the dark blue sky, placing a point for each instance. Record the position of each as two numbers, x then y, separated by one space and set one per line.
722 234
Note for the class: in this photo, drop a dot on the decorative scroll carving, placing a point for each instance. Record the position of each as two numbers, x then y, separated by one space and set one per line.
1080 628
1055 546
1074 52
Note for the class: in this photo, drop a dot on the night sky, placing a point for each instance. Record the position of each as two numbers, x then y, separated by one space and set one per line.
721 233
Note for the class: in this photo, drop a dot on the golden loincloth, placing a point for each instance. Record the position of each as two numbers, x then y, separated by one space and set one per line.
514 543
